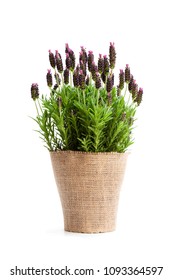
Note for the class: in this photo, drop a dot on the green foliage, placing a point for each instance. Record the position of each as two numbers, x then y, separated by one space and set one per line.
85 120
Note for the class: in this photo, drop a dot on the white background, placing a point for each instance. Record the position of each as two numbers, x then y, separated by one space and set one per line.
31 225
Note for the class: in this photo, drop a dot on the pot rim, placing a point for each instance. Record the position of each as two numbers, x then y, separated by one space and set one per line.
89 153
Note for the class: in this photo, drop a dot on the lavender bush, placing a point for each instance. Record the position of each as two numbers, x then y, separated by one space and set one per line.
85 111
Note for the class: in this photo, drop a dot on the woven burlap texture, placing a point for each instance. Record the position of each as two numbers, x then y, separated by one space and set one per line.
89 187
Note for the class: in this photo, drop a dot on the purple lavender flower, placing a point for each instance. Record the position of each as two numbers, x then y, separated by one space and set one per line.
109 84
134 90
52 59
118 91
67 49
68 61
83 67
34 91
100 64
121 79
66 76
94 70
106 65
49 78
112 55
139 96
81 80
55 87
76 78
90 60
84 54
112 79
103 76
97 81
130 83
59 63
127 74
73 59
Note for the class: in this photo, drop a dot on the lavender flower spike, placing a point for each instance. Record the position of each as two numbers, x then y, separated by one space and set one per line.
52 59
34 91
106 65
127 74
100 64
139 96
90 60
121 79
49 78
112 55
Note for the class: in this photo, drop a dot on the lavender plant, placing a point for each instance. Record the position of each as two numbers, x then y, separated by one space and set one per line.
85 111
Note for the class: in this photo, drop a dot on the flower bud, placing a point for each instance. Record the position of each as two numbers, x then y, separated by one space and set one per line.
55 87
97 81
118 91
130 83
67 49
76 78
127 74
81 80
34 91
66 76
73 59
103 76
78 68
83 67
134 90
106 65
121 79
90 60
94 70
59 63
112 55
112 79
68 61
109 84
52 59
84 56
49 78
100 64
139 96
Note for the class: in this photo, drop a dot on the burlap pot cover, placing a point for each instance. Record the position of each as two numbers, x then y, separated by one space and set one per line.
89 187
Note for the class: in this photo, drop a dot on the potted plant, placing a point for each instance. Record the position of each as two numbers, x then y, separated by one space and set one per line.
86 124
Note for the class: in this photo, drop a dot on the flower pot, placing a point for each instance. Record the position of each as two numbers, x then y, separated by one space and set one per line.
89 187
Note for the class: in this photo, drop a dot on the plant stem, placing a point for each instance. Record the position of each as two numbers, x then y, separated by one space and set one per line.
106 81
98 95
84 97
90 78
56 78
40 105
62 78
36 107
78 93
71 78
125 90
